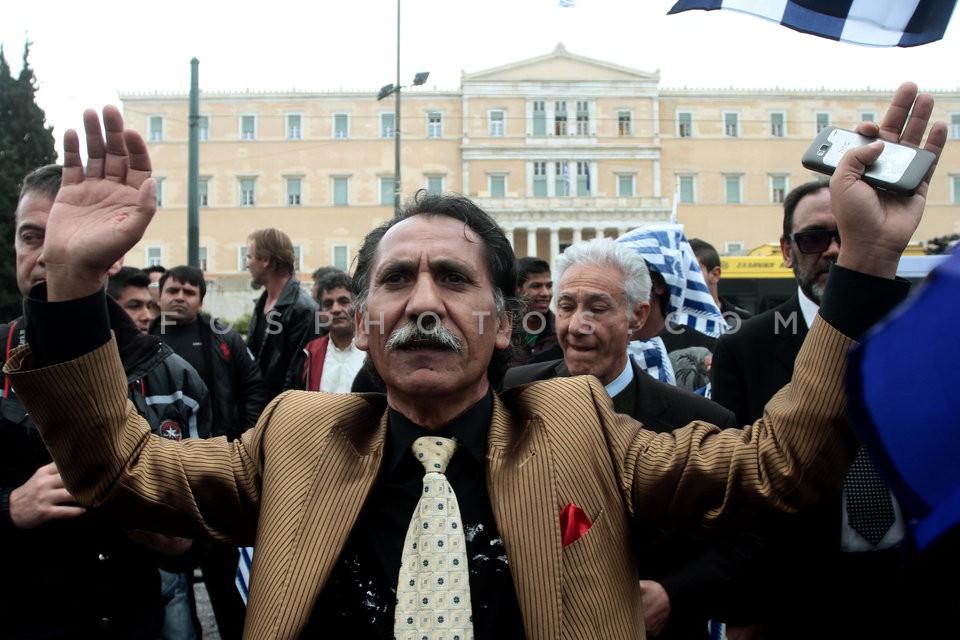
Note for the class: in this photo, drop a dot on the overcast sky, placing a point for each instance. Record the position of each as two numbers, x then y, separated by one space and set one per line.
84 53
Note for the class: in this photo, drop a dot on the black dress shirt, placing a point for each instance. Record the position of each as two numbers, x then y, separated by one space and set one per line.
360 597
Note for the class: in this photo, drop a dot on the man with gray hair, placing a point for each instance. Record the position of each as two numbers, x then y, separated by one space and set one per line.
603 299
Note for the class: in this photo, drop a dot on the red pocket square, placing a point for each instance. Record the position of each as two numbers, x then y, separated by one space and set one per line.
574 522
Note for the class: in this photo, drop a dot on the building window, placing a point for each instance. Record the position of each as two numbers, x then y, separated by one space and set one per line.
955 125
387 125
624 123
539 118
778 188
732 190
156 128
778 124
341 191
341 126
435 184
561 173
497 128
731 124
203 128
625 184
294 126
341 256
294 190
386 190
154 256
298 257
203 192
868 116
560 118
248 192
955 188
242 258
159 192
202 258
498 186
684 124
539 179
248 127
583 178
583 118
823 120
434 124
686 185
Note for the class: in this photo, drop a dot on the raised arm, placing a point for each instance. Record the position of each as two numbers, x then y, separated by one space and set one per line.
99 214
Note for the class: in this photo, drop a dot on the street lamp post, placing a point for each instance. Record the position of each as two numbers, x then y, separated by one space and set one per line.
385 91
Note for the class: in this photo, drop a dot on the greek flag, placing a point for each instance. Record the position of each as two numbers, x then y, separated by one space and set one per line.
243 572
666 250
651 356
882 23
568 3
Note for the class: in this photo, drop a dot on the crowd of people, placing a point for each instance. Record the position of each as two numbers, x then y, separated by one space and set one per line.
625 453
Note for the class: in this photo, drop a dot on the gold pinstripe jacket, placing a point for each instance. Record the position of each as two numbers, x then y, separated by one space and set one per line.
295 484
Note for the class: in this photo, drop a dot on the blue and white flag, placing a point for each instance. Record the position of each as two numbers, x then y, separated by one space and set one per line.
243 572
666 250
882 23
651 356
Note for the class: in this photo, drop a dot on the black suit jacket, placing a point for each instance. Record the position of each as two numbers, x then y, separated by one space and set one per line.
697 574
751 364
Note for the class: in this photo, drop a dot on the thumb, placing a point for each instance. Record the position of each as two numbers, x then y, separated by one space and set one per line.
857 159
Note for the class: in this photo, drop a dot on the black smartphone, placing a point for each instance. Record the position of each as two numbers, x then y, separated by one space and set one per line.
899 169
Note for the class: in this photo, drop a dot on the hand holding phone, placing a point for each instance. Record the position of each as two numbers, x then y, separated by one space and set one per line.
900 169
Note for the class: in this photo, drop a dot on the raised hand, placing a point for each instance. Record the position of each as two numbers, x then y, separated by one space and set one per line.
99 214
877 225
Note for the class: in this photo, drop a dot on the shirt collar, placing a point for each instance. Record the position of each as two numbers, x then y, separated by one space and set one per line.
469 428
808 307
621 381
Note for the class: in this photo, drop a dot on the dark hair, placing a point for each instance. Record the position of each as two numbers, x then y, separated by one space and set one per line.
156 268
334 280
276 246
657 280
187 275
706 253
319 273
529 266
793 198
500 259
127 277
44 181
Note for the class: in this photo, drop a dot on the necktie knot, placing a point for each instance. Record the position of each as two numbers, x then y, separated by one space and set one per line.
434 453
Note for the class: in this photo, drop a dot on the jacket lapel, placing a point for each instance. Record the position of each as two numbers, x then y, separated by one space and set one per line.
291 567
524 503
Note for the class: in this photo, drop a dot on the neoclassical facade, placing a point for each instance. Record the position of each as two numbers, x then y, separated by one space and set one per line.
558 148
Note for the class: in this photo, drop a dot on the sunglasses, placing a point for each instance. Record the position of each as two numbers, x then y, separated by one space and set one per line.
815 240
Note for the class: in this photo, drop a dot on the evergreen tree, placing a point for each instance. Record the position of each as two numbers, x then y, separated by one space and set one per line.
25 144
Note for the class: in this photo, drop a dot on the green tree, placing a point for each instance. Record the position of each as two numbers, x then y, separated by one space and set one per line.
25 144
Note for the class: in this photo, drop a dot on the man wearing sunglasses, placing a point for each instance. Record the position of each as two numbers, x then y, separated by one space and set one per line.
817 551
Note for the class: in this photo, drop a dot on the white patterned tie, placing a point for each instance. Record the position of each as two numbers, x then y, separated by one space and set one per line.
433 591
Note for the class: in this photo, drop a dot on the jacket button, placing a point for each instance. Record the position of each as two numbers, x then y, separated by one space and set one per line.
105 622
103 557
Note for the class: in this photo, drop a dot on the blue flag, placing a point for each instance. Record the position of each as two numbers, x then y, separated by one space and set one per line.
903 402
882 23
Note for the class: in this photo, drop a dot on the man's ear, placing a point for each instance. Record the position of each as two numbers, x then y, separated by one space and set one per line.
638 316
785 250
504 330
115 267
362 337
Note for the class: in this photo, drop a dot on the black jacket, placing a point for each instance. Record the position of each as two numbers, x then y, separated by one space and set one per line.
82 577
291 324
237 390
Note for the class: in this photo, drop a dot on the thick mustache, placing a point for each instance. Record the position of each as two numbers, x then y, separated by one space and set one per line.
412 332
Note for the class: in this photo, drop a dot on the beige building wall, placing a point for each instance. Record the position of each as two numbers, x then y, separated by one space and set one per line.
320 166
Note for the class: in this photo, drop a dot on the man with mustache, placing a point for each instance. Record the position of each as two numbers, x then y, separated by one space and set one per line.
818 558
550 483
